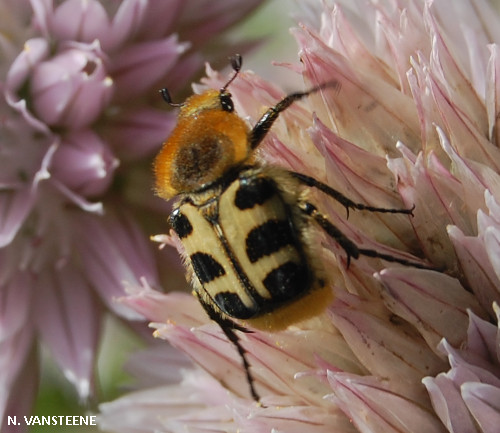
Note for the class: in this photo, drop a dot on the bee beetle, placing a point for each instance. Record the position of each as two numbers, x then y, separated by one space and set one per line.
245 226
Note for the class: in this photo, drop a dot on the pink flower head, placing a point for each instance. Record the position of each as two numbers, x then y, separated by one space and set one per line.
413 122
79 82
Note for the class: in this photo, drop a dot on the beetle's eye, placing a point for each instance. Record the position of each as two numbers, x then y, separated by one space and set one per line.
226 102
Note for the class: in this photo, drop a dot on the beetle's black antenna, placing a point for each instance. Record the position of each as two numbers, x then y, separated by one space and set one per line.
236 62
166 97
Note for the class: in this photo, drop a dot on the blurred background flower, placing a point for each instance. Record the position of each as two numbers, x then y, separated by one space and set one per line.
415 122
79 83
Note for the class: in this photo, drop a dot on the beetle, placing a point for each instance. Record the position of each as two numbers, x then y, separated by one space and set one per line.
245 226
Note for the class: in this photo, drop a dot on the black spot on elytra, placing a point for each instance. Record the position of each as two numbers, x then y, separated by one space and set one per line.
206 267
231 304
287 281
254 191
268 238
181 224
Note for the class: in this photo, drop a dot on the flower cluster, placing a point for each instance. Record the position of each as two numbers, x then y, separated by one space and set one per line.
79 81
414 122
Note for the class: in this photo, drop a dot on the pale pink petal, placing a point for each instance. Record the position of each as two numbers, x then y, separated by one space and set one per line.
162 18
280 371
492 245
450 192
455 86
72 88
464 136
208 347
15 302
16 205
434 303
427 112
139 411
203 18
385 350
343 38
483 401
180 308
362 97
476 266
35 50
79 20
374 407
139 365
145 126
17 362
211 419
473 176
78 200
492 94
292 419
468 366
482 339
469 27
165 408
420 187
86 21
139 66
402 37
84 163
126 23
448 404
114 257
21 175
345 167
69 323
18 369
275 366
19 385
493 206
42 12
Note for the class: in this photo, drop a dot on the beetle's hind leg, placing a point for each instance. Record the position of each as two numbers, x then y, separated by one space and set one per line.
351 249
229 327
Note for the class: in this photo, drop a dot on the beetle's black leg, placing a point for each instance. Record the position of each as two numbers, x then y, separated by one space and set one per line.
351 249
264 124
347 245
229 327
342 199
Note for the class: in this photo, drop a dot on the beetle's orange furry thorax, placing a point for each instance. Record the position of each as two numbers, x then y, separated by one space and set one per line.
205 144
